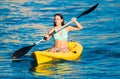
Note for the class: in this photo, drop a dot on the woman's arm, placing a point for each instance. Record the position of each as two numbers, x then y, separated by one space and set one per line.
78 25
48 35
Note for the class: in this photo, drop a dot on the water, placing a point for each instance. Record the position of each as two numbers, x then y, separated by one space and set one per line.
24 22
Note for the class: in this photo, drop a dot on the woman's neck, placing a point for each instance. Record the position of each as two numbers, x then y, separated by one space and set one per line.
58 26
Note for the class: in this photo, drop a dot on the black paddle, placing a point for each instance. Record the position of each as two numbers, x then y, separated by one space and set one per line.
21 52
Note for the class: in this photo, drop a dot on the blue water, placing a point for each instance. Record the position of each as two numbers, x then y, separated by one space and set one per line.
24 22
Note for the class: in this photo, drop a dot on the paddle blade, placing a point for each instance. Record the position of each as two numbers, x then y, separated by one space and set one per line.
21 52
88 11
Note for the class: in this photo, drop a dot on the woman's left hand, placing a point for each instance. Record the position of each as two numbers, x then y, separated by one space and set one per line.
74 19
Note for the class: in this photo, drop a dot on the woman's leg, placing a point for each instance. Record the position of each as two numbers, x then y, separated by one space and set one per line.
64 50
54 49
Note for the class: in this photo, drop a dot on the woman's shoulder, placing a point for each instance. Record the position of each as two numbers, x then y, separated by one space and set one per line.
52 28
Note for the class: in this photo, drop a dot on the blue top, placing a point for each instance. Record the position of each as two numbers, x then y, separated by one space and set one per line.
64 35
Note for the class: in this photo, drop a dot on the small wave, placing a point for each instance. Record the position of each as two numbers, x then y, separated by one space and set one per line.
28 26
106 52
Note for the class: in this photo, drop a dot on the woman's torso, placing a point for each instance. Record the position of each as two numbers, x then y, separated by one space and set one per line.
61 44
61 38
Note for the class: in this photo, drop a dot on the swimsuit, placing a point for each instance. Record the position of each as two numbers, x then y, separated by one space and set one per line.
64 35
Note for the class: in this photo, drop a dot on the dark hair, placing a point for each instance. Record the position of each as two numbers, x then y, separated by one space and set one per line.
61 16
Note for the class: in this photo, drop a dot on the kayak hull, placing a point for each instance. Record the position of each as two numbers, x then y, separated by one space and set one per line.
45 56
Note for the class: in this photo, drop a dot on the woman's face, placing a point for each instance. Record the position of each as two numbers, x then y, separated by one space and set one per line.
58 21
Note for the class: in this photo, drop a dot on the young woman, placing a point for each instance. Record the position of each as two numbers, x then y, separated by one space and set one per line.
61 43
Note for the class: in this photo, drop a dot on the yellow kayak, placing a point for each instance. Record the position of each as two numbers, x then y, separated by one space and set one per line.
45 56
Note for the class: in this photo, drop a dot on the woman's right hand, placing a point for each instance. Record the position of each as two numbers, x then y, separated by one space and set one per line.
46 37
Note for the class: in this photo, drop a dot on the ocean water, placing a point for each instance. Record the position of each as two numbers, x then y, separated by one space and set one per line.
23 22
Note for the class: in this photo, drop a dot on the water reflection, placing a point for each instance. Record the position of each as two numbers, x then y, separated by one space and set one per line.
52 68
43 69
